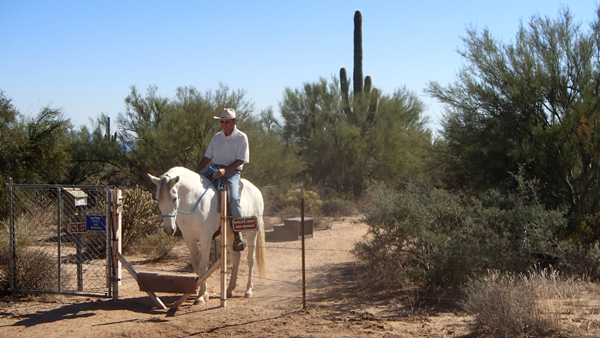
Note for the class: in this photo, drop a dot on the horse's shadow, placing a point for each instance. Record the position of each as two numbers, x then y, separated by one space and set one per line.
86 309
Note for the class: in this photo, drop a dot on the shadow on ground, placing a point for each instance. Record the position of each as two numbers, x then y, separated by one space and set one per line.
84 309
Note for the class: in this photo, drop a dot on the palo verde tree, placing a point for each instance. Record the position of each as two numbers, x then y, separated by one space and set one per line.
347 140
158 132
96 153
32 149
530 104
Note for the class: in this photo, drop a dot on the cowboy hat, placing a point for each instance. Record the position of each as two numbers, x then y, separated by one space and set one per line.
226 114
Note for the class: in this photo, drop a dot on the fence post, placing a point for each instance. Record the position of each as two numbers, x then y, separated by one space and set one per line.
116 240
223 245
303 248
13 242
58 235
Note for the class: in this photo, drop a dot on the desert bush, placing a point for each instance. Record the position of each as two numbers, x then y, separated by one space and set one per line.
289 212
338 207
156 246
272 197
312 202
517 305
433 239
138 218
35 270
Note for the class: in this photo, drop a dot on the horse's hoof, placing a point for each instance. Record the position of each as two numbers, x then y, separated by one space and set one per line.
199 301
248 294
229 294
206 297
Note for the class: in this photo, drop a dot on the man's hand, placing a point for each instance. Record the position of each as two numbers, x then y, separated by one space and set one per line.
219 173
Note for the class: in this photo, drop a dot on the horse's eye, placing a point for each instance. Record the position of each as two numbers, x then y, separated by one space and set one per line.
174 199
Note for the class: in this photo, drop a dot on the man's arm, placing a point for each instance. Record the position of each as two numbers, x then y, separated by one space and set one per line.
228 168
202 164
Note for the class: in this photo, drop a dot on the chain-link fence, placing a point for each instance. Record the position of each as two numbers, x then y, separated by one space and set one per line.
57 239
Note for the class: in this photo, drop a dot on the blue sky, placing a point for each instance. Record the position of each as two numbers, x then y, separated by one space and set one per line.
83 56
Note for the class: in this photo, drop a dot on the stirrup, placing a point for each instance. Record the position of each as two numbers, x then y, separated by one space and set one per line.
238 243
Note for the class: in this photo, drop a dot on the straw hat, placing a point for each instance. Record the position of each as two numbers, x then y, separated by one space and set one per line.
226 114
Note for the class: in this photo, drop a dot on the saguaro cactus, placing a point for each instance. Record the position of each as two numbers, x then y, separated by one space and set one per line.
368 93
358 53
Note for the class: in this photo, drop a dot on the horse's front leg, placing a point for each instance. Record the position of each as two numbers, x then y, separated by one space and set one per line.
199 269
235 261
202 267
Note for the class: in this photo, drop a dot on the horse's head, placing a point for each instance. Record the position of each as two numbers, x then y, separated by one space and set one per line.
168 201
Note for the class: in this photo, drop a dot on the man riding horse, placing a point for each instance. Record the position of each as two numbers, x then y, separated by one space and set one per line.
228 151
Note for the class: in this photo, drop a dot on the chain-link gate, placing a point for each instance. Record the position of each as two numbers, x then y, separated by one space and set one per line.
60 239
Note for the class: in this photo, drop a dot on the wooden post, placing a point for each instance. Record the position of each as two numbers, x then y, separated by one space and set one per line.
223 246
303 248
117 207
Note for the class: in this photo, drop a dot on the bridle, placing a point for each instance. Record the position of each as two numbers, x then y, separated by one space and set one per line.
195 206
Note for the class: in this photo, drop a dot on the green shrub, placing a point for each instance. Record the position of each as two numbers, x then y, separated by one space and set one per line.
138 217
338 207
433 239
289 212
312 202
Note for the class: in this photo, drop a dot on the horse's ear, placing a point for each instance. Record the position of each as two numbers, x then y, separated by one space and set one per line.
154 179
174 181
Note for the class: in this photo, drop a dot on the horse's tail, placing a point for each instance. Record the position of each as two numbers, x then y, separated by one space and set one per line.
261 252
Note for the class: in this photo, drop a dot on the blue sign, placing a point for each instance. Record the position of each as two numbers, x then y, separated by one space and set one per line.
95 223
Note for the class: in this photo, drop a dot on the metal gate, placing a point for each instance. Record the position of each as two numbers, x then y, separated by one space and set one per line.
60 239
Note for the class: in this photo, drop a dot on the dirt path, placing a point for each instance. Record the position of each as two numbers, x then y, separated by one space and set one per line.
334 307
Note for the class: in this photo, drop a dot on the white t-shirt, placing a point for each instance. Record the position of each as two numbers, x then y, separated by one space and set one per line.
224 150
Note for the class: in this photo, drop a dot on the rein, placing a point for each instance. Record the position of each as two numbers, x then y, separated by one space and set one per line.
195 206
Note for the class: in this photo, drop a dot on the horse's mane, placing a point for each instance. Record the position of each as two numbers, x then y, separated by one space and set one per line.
188 176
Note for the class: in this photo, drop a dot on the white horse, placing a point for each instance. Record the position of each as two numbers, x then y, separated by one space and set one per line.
188 199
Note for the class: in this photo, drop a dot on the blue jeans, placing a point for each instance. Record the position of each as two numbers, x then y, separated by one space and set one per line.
232 181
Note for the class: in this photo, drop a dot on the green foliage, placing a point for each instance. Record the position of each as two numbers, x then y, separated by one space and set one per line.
32 150
531 104
96 154
312 202
160 133
434 239
339 207
352 151
138 217
271 162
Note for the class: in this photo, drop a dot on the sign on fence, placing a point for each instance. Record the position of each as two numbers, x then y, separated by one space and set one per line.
245 223
76 227
95 223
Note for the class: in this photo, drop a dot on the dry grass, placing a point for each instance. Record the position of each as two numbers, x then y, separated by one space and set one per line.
527 305
157 246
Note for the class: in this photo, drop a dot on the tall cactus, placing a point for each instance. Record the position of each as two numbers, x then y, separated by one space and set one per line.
357 77
368 92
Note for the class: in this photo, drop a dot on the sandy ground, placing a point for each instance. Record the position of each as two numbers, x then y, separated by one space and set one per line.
335 306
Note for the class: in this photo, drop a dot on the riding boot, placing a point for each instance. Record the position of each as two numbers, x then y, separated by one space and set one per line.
238 242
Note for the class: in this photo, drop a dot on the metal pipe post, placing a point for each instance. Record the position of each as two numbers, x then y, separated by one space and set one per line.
303 248
223 246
